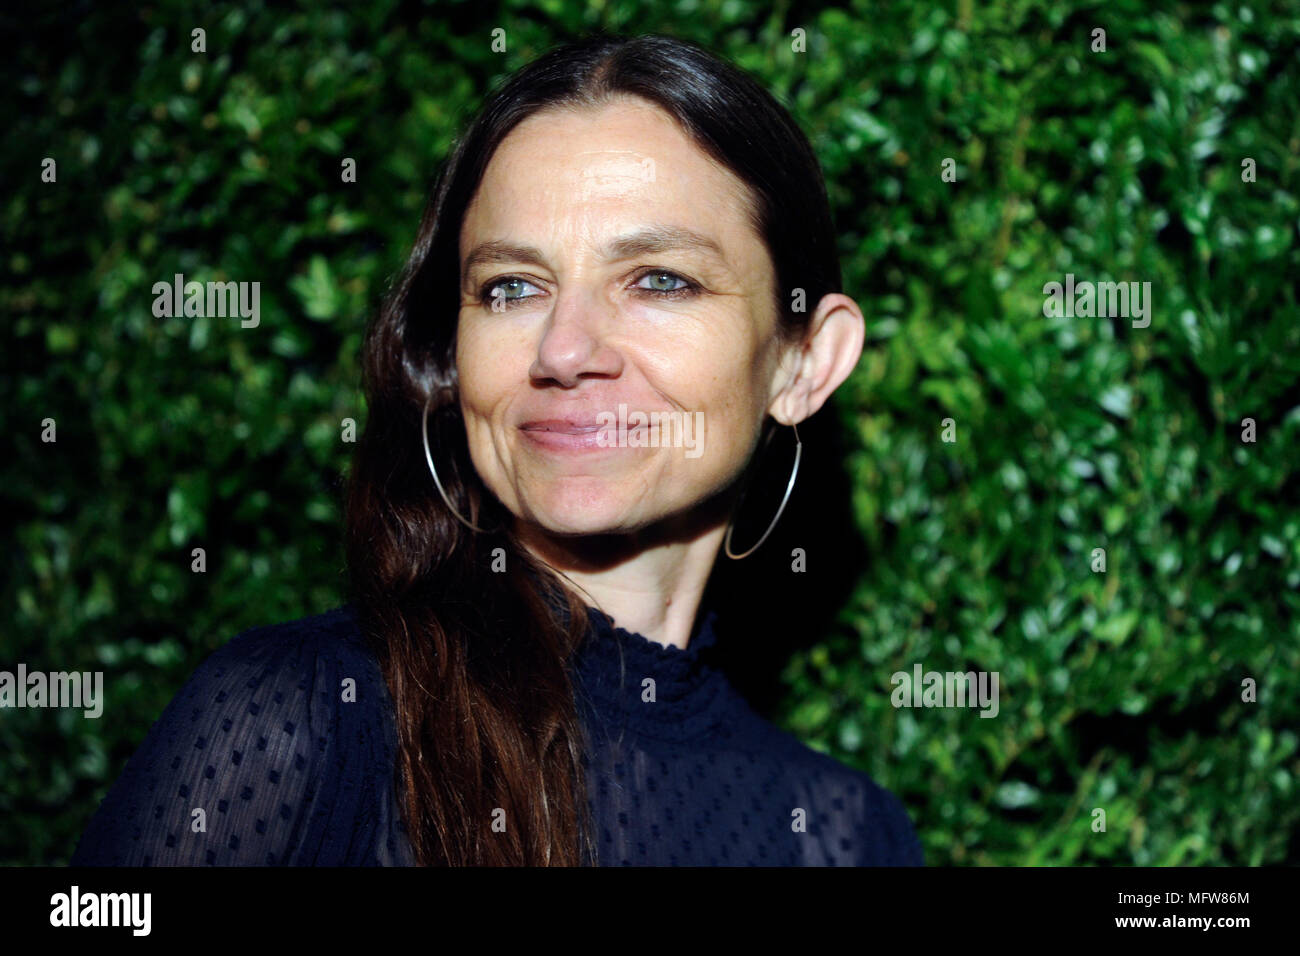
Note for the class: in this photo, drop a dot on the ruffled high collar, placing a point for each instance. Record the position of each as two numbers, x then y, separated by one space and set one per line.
612 668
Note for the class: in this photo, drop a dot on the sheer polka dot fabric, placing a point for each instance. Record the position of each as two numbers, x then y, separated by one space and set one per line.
260 760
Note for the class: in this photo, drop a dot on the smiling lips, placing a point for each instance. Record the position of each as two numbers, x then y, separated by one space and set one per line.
565 426
570 435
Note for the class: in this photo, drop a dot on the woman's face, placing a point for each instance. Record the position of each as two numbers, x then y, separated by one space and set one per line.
607 261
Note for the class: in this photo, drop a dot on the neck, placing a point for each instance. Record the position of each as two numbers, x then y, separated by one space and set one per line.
650 582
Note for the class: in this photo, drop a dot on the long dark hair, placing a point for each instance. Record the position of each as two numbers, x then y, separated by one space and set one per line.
475 659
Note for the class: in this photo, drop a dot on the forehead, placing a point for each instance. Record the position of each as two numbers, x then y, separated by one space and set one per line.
592 173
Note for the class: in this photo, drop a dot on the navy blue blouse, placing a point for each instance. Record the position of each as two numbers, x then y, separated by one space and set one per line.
290 769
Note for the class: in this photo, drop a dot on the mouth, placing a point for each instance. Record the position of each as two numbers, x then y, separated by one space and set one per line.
567 435
561 426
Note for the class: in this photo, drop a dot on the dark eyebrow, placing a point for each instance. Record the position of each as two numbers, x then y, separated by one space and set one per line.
642 242
654 239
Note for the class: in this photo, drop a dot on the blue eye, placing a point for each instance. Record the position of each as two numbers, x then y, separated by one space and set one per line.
513 284
487 294
671 276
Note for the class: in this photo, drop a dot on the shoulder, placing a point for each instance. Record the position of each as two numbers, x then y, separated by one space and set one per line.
860 822
331 638
277 740
314 679
291 668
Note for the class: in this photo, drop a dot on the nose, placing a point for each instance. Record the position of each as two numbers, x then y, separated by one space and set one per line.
574 341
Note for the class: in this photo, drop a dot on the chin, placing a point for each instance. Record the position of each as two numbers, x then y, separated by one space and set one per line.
579 508
577 528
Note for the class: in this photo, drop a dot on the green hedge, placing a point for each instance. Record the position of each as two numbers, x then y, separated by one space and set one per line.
1120 690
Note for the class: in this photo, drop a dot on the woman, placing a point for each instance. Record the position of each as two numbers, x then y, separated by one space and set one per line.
630 229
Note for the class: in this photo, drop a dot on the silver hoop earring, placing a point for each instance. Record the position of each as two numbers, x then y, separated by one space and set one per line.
428 457
798 453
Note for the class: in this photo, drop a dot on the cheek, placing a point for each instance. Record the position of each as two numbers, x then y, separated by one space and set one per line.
484 370
730 407
725 382
708 354
742 409
482 392
715 370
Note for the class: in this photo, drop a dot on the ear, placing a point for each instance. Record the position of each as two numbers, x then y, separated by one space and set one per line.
816 366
